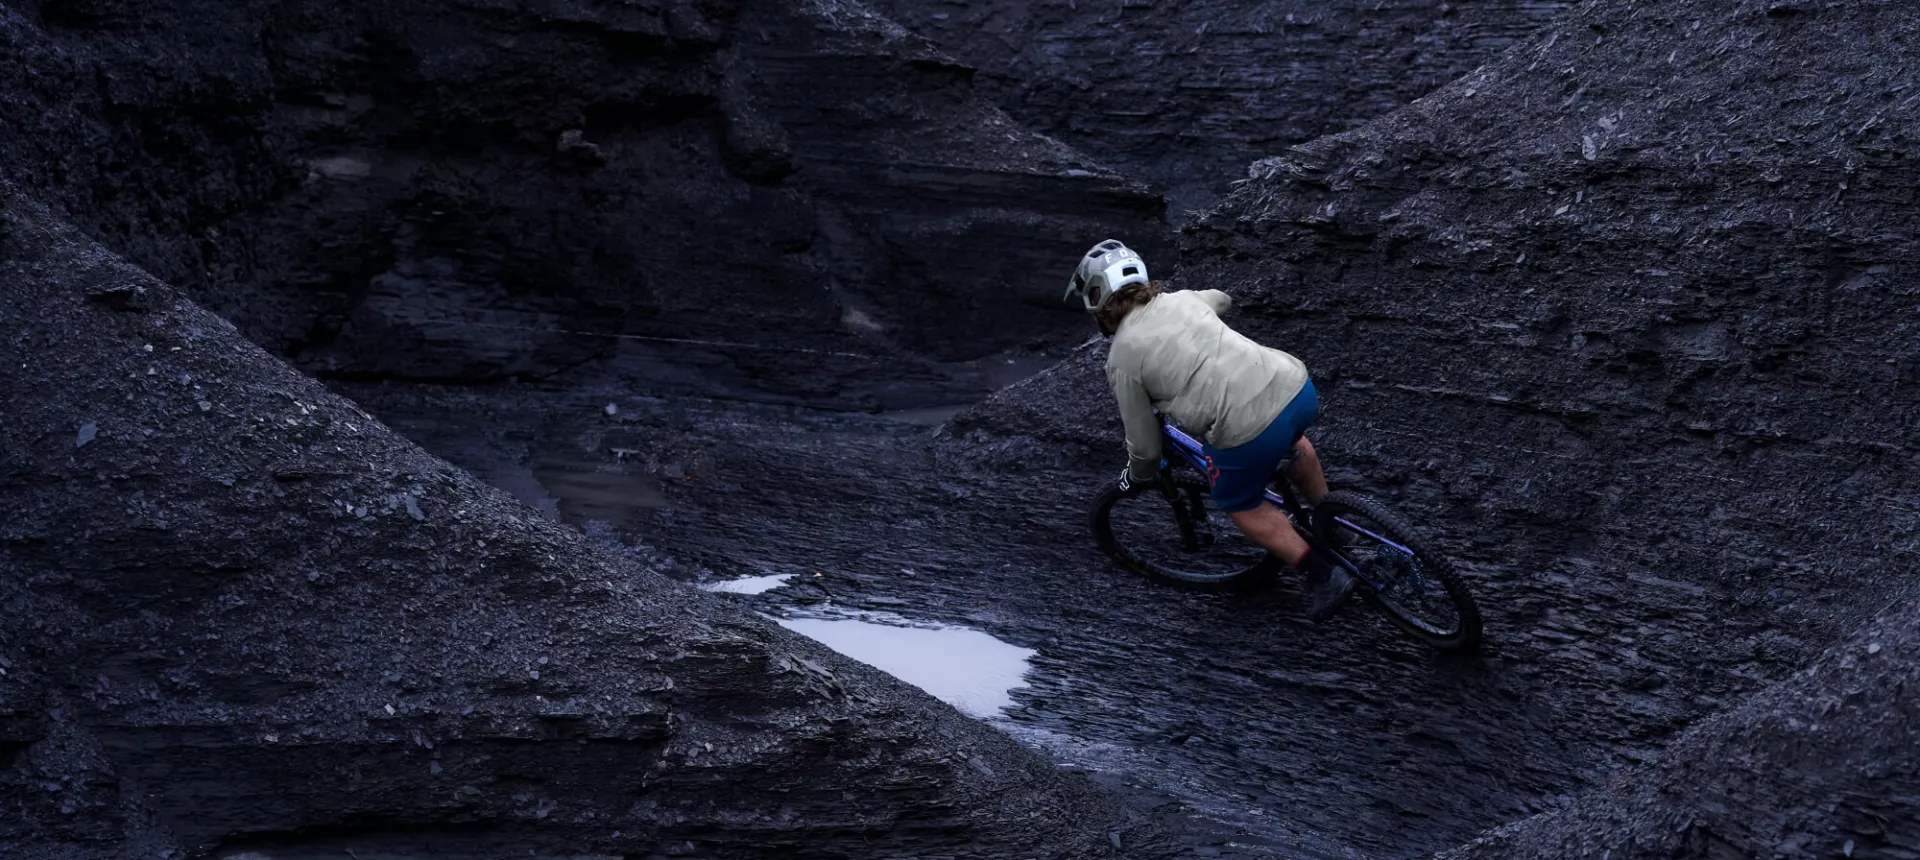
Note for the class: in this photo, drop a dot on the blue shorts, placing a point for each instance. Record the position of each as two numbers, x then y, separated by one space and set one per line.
1240 474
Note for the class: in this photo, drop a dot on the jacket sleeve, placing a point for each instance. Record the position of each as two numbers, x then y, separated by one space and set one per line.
1143 427
1217 300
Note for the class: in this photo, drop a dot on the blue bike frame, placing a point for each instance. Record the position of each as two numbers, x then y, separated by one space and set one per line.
1190 451
1193 453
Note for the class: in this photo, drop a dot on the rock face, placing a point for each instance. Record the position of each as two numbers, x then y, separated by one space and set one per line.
1622 317
236 612
1185 95
478 190
1820 766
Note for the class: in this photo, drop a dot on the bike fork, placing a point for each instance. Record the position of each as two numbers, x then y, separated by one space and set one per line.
1191 517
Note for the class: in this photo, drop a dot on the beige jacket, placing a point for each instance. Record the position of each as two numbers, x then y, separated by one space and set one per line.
1174 354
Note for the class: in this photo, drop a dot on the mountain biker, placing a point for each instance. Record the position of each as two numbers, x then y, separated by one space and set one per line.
1250 404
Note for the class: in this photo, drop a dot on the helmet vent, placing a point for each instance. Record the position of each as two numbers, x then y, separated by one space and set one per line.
1130 271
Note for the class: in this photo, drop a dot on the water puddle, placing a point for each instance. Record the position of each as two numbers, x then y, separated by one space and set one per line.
967 669
750 585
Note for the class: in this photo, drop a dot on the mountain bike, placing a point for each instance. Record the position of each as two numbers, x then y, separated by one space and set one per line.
1176 535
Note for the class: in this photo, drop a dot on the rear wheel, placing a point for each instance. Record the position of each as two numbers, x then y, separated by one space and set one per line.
1187 542
1410 582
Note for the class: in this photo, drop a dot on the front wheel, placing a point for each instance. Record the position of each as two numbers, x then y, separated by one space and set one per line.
1414 585
1186 541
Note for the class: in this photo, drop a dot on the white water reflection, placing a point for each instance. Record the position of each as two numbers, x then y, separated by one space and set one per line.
967 669
750 585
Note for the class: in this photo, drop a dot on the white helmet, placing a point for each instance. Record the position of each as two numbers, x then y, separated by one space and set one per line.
1104 271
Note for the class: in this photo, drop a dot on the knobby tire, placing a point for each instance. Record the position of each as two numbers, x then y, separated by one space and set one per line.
1125 546
1402 571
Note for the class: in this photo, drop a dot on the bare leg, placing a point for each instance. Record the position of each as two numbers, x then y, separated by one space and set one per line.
1269 527
1327 585
1305 473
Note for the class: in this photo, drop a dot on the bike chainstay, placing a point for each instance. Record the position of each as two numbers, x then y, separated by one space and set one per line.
1361 572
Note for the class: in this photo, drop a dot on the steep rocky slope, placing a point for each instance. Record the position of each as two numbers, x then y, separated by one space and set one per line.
1185 94
1624 318
1821 765
236 612
478 190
